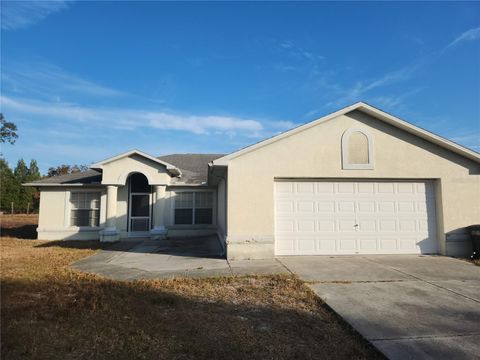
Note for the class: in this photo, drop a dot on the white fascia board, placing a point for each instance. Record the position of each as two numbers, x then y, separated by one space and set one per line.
223 161
421 133
62 185
168 166
368 109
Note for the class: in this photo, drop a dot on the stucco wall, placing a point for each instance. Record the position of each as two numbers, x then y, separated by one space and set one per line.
316 153
222 210
54 217
122 210
116 172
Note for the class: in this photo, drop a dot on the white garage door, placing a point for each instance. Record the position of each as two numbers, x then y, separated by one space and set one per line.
327 218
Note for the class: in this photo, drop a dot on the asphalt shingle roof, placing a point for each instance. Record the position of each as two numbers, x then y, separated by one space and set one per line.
194 168
85 177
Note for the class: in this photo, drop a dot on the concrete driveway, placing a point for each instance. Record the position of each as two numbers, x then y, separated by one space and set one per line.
177 257
409 307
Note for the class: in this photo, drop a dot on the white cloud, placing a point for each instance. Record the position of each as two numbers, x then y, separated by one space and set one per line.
469 35
50 81
360 89
299 52
395 101
130 119
21 14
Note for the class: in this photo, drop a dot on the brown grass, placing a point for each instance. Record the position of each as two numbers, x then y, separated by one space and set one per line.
50 311
20 226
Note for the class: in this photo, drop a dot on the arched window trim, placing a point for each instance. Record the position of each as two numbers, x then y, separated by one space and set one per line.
371 155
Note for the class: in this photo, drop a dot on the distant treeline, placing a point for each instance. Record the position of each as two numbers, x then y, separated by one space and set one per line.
11 189
25 198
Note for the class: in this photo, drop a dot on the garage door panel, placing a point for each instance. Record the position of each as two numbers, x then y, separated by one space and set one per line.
284 206
305 188
326 206
366 225
306 226
347 225
366 188
345 188
347 245
387 225
306 245
307 206
341 217
386 206
368 245
346 207
366 207
406 206
407 225
385 188
287 226
326 225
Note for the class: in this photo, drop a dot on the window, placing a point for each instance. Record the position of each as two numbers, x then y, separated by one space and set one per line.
84 208
357 150
193 208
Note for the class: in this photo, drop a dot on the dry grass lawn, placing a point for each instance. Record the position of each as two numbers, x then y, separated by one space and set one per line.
50 311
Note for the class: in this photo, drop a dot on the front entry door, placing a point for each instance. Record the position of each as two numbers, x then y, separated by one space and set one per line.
140 208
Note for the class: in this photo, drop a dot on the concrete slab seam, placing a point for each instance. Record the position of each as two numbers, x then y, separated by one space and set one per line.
426 337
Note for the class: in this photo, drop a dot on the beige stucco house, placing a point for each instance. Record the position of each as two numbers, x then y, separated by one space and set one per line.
358 181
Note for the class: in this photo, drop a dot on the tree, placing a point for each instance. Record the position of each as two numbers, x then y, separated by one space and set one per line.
24 195
66 169
9 186
33 171
33 194
8 131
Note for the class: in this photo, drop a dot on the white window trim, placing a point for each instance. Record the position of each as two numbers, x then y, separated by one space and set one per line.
68 208
371 150
214 208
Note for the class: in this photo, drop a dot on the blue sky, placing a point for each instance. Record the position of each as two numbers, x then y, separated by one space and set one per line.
87 80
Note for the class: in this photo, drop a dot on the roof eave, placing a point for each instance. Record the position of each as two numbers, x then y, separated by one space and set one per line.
368 109
173 170
62 185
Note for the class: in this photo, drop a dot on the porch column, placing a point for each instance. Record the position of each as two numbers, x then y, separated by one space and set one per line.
110 233
159 231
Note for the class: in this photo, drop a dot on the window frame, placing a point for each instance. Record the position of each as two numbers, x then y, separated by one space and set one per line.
69 208
192 224
346 165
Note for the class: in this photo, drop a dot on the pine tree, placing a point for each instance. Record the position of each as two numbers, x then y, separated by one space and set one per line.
21 175
33 171
9 186
33 194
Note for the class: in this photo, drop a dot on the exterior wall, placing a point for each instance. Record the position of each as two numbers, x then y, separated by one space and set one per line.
316 153
122 210
222 211
54 217
116 172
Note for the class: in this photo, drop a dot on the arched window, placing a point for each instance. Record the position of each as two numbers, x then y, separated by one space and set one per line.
357 150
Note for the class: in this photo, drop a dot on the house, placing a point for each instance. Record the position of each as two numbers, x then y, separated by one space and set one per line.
357 181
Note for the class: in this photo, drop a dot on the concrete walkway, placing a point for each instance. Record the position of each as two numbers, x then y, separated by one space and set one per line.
409 307
180 257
